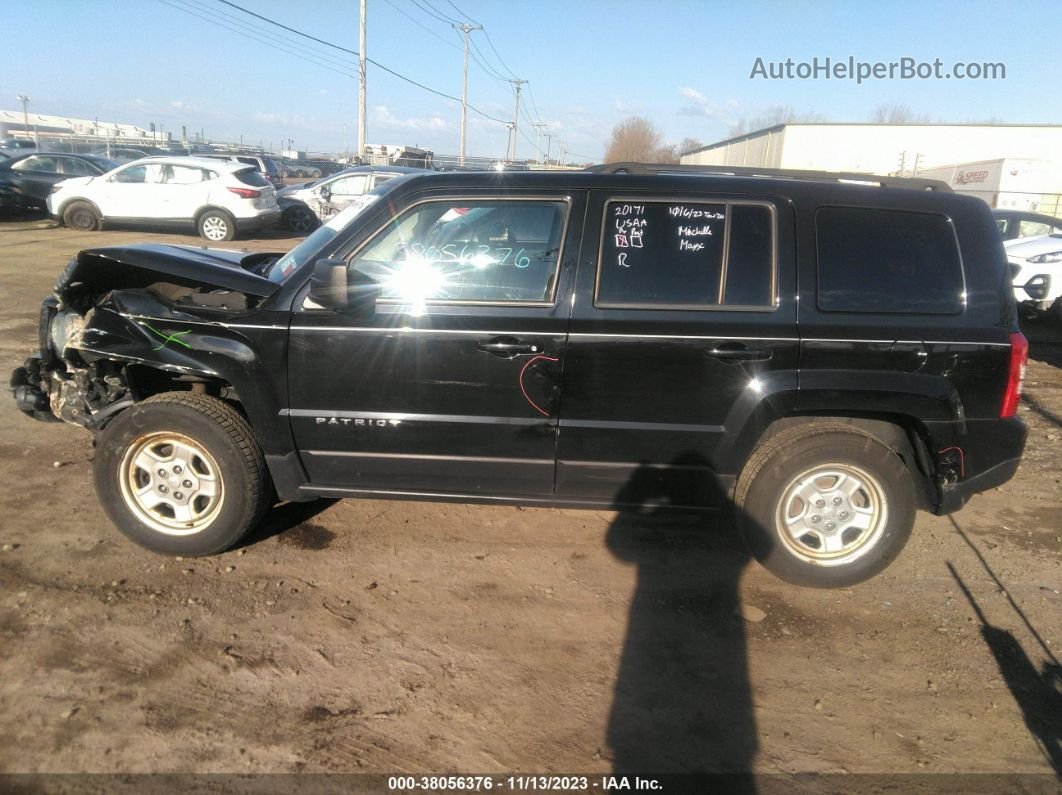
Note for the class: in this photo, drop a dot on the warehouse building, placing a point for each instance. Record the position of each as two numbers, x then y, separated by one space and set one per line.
896 149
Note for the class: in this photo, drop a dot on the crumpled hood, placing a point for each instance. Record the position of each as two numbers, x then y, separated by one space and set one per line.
129 267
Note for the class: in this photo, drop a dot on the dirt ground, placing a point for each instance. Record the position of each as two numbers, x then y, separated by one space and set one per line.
390 637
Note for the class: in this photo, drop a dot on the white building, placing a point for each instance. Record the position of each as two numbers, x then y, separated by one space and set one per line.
1007 183
13 124
881 148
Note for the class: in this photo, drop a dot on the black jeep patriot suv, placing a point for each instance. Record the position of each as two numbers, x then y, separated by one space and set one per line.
822 353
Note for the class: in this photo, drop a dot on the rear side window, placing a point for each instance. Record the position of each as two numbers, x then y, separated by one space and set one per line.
888 261
252 177
686 255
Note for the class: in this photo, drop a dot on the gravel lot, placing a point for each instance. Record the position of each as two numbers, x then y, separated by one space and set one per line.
370 636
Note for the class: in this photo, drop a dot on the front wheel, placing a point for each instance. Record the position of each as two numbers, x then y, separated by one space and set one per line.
81 216
217 226
825 507
300 219
181 473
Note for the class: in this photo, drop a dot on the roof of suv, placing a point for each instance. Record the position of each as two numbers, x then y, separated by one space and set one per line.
225 166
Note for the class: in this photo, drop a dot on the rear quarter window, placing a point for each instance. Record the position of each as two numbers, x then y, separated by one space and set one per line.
252 177
895 261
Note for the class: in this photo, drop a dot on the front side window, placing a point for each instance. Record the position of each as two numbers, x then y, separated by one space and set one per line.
37 163
147 173
468 250
874 260
686 255
349 186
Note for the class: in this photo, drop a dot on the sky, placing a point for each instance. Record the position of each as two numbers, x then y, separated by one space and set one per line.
686 66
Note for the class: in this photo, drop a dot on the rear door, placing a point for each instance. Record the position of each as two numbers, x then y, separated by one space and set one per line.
684 326
450 383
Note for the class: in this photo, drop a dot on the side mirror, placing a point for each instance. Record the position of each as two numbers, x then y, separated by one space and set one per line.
333 287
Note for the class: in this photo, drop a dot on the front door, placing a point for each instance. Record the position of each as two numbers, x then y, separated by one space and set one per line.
449 384
684 325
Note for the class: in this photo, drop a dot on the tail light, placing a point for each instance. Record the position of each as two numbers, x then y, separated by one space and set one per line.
245 193
1019 355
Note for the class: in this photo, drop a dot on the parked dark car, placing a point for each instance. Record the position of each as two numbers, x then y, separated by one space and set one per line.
821 358
26 180
1021 223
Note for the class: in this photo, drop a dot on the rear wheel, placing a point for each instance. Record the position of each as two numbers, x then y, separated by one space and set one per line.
181 473
825 506
217 226
81 216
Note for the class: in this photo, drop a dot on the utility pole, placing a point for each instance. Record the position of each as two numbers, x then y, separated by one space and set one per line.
25 99
549 140
516 116
538 131
361 84
466 29
563 151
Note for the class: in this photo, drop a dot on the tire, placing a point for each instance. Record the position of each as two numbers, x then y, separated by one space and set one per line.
216 226
825 505
82 216
300 219
181 473
314 173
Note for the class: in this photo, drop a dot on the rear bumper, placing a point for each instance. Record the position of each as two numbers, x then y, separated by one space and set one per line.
258 221
989 455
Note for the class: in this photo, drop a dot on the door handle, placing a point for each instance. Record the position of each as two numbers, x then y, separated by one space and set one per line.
738 353
508 347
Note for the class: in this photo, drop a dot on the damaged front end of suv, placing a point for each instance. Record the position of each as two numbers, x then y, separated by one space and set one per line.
124 321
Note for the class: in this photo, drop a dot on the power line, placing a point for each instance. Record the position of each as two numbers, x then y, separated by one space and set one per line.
500 59
296 32
201 5
428 10
462 13
303 56
419 24
483 65
443 14
352 52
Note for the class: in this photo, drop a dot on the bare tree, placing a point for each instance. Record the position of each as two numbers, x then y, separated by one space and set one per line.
635 139
775 114
672 153
897 113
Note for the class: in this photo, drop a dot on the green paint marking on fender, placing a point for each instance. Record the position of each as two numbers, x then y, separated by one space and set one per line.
167 338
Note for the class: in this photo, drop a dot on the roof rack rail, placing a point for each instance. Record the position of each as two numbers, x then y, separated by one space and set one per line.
910 183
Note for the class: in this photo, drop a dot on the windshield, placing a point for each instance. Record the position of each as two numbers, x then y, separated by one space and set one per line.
308 248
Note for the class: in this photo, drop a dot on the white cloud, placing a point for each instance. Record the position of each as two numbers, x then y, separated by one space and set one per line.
699 105
382 116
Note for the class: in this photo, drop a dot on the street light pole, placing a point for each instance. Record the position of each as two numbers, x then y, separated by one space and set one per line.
466 29
25 99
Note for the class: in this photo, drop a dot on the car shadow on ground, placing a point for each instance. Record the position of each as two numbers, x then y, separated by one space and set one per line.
1045 340
682 701
1037 692
291 520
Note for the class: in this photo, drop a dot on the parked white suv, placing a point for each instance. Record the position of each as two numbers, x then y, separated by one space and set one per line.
215 197
1036 270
